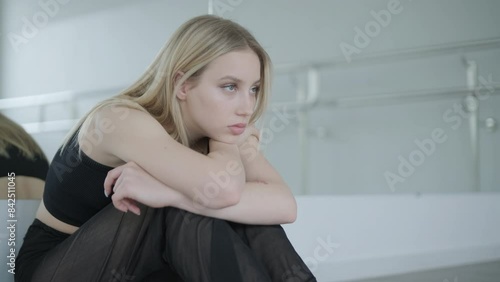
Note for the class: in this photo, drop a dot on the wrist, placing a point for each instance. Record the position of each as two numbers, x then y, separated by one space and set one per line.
221 147
173 198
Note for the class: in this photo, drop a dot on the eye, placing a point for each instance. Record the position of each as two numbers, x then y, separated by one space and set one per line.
230 87
255 89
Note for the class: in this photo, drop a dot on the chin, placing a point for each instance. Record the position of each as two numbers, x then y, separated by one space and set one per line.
224 136
229 138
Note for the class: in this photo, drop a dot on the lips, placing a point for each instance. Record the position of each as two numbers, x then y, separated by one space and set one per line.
240 125
238 128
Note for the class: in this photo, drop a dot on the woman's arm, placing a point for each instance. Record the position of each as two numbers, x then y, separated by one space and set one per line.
130 135
260 203
266 199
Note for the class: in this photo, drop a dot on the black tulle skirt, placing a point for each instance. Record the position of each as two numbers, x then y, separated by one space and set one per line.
164 244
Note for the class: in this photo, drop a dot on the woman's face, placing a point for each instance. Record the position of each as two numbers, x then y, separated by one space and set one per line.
224 95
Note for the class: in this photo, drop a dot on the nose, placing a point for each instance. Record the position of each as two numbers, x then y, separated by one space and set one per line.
246 105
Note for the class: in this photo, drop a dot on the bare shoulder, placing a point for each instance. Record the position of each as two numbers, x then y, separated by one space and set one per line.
112 124
112 119
130 135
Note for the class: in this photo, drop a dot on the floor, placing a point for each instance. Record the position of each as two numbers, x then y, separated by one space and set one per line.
482 272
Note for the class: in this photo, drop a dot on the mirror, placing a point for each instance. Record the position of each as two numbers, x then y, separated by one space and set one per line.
368 98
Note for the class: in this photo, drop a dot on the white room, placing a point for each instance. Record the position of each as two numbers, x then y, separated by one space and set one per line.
382 121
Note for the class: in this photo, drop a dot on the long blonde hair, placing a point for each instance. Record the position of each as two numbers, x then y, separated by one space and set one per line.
12 134
191 48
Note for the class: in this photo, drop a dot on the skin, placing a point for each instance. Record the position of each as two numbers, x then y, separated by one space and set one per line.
215 102
25 187
209 105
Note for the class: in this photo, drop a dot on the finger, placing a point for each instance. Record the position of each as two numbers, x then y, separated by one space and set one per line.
119 205
257 133
131 206
117 199
123 200
110 179
118 183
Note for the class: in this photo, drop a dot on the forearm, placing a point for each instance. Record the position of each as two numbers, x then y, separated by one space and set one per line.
265 200
260 203
228 175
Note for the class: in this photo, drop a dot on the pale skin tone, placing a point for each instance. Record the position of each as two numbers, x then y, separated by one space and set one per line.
251 191
26 187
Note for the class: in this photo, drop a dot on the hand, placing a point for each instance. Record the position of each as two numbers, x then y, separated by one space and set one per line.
251 130
130 183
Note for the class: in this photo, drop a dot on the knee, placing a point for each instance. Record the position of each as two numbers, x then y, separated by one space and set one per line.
181 225
184 219
264 228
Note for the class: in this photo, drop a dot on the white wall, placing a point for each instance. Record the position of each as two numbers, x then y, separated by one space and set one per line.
95 45
93 49
100 44
355 237
85 46
342 238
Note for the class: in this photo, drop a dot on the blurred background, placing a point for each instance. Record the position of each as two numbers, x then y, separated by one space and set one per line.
383 116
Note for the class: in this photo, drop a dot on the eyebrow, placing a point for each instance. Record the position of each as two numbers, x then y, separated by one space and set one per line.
235 79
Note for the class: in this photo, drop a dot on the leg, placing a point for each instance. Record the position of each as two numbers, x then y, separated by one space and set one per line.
116 246
271 246
108 247
162 275
201 248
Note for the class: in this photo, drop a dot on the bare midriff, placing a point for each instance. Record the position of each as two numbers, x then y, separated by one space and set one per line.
46 217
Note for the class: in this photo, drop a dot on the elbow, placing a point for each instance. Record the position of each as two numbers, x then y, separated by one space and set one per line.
232 198
220 192
226 200
291 215
232 195
231 191
223 199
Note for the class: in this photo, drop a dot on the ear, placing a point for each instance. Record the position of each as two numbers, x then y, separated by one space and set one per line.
182 92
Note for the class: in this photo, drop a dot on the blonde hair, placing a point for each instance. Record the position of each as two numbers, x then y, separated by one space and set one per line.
191 48
12 134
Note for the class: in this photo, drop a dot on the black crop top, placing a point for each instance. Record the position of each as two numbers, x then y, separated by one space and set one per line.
74 188
21 165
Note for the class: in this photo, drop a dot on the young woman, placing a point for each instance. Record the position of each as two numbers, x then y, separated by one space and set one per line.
21 160
178 149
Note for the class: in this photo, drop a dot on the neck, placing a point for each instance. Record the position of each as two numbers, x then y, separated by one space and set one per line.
200 145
